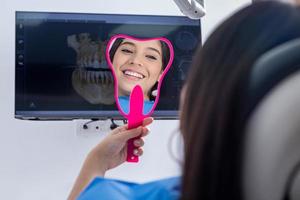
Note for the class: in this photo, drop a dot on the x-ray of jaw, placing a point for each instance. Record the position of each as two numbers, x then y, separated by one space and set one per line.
92 79
139 66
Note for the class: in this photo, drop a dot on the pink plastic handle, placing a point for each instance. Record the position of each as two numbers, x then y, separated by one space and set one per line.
135 119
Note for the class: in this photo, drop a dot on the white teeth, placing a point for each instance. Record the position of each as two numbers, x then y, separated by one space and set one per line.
80 74
94 77
88 76
105 81
97 74
134 74
89 79
101 77
110 77
104 78
107 77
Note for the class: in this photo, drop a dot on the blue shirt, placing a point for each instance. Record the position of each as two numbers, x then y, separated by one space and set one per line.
124 103
109 189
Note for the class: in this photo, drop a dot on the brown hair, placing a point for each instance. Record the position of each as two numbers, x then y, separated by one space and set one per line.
210 122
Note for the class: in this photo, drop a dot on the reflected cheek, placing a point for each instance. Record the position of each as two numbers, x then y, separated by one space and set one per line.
117 68
119 60
154 70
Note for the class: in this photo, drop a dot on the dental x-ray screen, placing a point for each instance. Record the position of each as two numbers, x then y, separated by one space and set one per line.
61 70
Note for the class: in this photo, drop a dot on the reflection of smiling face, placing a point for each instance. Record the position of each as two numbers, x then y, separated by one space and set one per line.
137 62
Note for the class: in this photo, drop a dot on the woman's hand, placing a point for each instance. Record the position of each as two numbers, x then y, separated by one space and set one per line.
112 150
109 153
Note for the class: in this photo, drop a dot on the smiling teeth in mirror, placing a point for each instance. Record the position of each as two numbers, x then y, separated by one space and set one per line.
134 74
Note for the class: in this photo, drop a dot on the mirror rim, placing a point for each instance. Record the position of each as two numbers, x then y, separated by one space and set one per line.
109 62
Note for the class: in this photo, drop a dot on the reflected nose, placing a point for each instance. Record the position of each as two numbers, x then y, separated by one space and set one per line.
136 60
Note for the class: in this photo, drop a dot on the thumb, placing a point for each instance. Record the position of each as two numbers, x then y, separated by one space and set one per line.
129 134
147 121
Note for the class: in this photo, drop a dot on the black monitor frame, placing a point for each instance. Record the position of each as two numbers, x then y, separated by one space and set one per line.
108 18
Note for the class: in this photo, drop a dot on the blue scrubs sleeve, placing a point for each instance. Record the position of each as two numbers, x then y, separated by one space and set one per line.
109 189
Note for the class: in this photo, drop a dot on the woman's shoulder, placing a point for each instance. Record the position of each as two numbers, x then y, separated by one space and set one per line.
111 189
161 189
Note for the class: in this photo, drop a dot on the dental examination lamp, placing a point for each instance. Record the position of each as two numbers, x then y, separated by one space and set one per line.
191 9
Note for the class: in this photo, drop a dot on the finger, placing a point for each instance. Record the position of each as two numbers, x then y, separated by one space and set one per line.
138 142
120 129
131 133
147 121
123 128
138 152
145 131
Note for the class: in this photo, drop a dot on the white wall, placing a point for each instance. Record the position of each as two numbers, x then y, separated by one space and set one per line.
40 160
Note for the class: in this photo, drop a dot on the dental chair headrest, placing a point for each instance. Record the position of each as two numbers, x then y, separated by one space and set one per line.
271 167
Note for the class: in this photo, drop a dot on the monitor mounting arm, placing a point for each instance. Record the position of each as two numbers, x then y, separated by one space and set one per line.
191 8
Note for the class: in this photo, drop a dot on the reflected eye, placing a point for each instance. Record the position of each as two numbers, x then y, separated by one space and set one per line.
151 57
128 51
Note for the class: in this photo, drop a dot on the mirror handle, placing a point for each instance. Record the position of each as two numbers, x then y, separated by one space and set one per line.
135 119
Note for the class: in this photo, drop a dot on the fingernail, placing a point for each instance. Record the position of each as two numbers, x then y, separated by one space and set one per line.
137 142
135 152
151 119
146 130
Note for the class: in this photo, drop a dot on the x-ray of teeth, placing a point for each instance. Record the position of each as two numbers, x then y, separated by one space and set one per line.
89 53
92 87
92 78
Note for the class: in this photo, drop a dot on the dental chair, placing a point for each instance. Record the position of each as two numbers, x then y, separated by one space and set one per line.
271 165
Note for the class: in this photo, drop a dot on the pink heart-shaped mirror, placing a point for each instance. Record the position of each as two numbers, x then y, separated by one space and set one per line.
139 67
